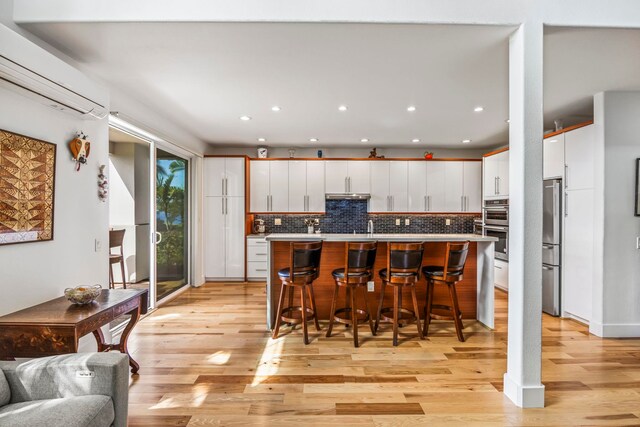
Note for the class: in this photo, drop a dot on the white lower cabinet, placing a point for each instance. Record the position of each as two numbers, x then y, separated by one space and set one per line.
501 274
256 258
224 237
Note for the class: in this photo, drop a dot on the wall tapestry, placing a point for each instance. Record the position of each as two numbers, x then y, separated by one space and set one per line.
27 180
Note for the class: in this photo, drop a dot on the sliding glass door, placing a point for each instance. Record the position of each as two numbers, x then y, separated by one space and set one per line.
172 223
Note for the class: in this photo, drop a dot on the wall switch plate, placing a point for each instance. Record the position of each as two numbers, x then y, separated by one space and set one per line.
97 245
371 286
277 221
407 221
447 221
397 221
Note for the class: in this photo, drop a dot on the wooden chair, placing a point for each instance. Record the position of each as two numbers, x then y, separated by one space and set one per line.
449 274
403 271
116 237
357 272
304 267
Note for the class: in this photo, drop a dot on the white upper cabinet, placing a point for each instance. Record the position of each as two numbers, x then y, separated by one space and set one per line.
553 155
417 186
223 177
472 186
315 186
234 170
279 185
454 183
336 176
347 176
398 186
259 186
380 200
496 176
436 191
358 176
306 186
579 151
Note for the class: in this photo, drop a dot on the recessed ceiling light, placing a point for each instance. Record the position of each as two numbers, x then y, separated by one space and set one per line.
478 109
245 118
364 140
275 108
411 108
262 140
342 108
466 141
313 139
416 140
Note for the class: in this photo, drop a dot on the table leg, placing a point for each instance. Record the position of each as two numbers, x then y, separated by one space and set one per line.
122 346
102 346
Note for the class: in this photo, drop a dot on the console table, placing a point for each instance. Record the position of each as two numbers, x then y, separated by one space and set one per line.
55 327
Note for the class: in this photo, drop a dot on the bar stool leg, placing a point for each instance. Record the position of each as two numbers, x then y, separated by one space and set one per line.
456 312
111 284
366 304
382 289
279 312
303 303
417 312
124 279
333 309
354 317
312 297
396 312
427 308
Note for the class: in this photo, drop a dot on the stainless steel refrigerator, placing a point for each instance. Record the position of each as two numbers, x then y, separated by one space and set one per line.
552 246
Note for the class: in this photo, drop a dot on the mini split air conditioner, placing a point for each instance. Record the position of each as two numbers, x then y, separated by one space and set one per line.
34 72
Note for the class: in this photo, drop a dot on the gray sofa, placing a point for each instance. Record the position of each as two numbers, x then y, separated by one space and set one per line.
74 390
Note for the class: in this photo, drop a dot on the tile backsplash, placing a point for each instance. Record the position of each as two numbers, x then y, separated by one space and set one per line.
347 216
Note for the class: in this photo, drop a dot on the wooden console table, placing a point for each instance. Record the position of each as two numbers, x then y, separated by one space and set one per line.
55 327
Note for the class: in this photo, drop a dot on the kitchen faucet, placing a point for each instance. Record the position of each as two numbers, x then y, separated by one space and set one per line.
370 227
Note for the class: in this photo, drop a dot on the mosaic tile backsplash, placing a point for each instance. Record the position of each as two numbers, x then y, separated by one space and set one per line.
347 216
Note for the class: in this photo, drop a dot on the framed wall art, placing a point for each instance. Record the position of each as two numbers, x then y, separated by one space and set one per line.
27 184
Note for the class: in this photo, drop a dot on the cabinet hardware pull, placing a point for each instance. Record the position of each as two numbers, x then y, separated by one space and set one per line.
566 176
566 204
346 186
260 254
425 203
222 206
222 186
462 203
261 269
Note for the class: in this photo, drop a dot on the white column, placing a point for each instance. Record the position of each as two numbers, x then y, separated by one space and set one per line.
522 380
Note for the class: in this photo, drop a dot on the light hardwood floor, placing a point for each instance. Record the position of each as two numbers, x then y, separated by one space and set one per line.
206 360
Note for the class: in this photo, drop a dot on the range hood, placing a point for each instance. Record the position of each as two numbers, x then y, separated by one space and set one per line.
347 196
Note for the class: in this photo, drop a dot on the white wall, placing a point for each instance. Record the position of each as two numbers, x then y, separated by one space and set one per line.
617 116
472 153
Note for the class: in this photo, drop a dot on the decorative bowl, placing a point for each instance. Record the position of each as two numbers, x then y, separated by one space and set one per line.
82 295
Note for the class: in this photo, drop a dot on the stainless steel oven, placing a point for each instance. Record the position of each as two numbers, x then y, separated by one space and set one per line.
496 212
502 245
477 226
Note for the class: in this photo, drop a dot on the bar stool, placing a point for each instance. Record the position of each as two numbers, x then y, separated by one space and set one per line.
449 275
357 271
403 270
304 262
116 237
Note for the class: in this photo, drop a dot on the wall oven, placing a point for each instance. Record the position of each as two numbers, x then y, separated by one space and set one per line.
496 224
502 245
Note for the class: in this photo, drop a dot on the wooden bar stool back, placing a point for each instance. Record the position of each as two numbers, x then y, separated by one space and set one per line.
116 239
357 272
449 274
403 271
304 267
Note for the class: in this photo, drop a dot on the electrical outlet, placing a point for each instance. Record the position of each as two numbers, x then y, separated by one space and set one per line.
97 245
397 221
407 221
371 286
447 221
277 221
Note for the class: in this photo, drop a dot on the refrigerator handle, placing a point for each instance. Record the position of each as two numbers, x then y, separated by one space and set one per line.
544 267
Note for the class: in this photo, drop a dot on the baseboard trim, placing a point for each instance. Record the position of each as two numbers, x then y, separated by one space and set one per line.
615 330
523 396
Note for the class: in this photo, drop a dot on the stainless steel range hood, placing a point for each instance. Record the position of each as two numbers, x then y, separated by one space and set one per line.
347 196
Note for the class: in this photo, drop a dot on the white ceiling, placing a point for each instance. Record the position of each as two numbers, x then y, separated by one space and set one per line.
206 75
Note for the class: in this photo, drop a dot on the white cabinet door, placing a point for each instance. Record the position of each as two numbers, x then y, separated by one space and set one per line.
579 148
578 261
259 186
297 186
213 174
315 186
553 157
214 236
380 201
234 174
336 176
279 185
417 186
398 182
234 237
489 177
501 274
359 173
472 186
454 180
503 174
436 190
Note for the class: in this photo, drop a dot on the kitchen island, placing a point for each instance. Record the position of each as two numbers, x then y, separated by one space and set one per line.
475 291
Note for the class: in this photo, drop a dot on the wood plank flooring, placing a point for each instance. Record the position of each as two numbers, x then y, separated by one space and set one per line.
206 360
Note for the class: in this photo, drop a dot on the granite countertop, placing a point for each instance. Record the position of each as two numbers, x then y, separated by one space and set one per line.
381 237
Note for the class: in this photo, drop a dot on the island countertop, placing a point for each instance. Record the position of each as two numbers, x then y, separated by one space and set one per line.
380 237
